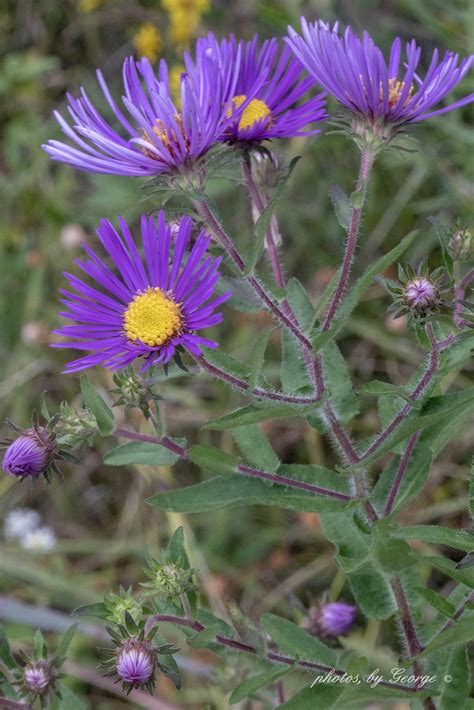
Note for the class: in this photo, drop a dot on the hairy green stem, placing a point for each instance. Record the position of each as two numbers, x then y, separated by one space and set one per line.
240 468
366 163
273 656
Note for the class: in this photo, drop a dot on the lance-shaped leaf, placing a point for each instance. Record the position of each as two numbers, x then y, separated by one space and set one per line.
249 686
141 452
437 535
96 406
250 414
291 639
255 447
238 489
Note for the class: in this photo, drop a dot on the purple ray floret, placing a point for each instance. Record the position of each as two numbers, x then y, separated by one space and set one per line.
354 70
263 87
147 306
153 136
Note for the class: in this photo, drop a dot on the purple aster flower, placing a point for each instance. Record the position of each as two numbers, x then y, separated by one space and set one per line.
263 88
152 306
355 72
135 662
31 454
38 677
333 619
158 137
421 295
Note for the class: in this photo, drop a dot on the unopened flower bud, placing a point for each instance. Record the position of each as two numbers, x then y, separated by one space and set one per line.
333 619
421 295
38 677
30 454
461 245
135 662
75 427
170 580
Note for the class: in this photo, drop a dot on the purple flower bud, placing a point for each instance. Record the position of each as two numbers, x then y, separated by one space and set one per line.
30 454
38 677
421 295
334 619
135 662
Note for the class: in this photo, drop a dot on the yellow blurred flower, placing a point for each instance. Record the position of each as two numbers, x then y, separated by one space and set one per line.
175 83
184 17
147 41
87 6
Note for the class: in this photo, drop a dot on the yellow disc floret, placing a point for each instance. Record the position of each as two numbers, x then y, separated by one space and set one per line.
153 317
395 89
256 110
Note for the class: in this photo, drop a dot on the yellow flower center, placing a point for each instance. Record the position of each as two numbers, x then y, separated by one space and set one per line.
395 89
256 110
153 317
163 136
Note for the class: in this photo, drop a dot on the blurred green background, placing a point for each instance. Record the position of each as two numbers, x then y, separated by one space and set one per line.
265 559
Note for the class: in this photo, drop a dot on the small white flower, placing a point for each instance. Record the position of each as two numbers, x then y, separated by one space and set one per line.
20 522
39 540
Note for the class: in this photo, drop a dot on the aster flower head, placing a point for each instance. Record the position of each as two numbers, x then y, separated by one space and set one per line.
265 95
153 307
38 676
385 96
419 293
332 619
31 454
155 137
135 663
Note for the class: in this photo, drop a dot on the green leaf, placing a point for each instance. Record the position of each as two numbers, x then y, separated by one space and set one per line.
244 298
258 356
65 642
320 695
238 489
69 700
96 406
376 388
175 549
140 452
249 686
169 667
438 535
465 576
40 646
203 638
250 414
213 460
372 592
342 205
435 410
98 610
437 601
338 382
5 652
228 363
256 448
301 304
294 375
291 639
462 631
471 493
415 476
456 687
